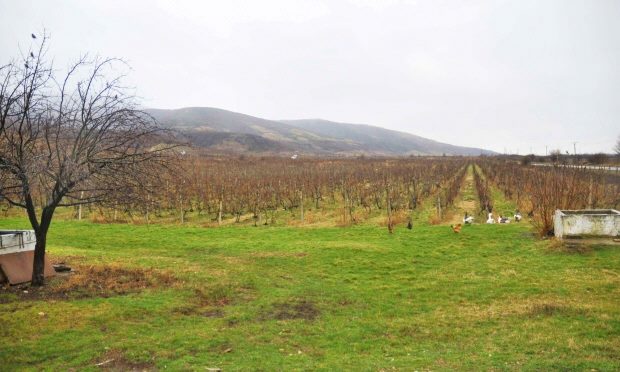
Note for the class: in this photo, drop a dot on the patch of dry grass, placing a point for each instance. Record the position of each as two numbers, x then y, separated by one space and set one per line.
116 360
293 309
86 281
529 307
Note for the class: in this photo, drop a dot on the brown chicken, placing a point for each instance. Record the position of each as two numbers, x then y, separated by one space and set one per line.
456 228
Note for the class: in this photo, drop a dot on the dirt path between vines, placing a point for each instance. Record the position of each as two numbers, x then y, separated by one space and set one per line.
467 200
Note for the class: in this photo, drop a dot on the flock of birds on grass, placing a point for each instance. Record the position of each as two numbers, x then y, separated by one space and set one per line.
468 220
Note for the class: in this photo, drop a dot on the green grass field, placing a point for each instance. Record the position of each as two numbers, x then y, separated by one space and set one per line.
356 298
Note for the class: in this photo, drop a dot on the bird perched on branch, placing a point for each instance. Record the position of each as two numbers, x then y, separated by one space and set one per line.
456 228
33 36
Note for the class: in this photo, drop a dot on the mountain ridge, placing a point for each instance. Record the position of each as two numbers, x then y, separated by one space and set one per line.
220 130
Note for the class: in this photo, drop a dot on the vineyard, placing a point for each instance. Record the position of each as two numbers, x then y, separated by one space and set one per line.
270 191
539 192
309 186
274 263
213 191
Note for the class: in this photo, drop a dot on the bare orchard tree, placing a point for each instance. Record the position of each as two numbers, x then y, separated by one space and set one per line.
70 139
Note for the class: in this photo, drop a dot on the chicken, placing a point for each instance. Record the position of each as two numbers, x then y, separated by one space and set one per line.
468 219
502 219
490 219
456 228
518 216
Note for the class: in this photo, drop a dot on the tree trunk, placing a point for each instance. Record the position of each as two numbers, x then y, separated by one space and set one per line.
40 231
39 260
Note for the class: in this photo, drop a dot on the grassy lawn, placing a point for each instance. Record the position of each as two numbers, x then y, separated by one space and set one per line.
286 298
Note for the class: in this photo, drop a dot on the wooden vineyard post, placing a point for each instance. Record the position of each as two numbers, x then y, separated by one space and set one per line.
80 206
219 214
590 187
301 204
389 211
146 211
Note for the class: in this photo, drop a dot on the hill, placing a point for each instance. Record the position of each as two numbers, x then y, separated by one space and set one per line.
226 131
381 140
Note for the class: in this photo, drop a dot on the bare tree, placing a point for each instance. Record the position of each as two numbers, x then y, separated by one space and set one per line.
70 139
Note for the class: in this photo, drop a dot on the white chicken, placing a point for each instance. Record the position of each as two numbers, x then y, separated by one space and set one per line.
518 216
468 219
490 219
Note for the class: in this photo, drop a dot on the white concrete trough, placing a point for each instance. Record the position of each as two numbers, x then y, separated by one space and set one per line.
586 222
12 241
17 256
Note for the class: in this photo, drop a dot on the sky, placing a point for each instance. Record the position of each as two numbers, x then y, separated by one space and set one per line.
511 76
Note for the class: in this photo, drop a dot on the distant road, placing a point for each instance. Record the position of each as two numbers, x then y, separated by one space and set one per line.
611 168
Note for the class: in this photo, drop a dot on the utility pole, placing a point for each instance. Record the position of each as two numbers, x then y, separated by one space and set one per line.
575 148
546 150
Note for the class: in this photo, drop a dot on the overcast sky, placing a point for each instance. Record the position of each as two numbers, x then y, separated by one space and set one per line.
514 75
